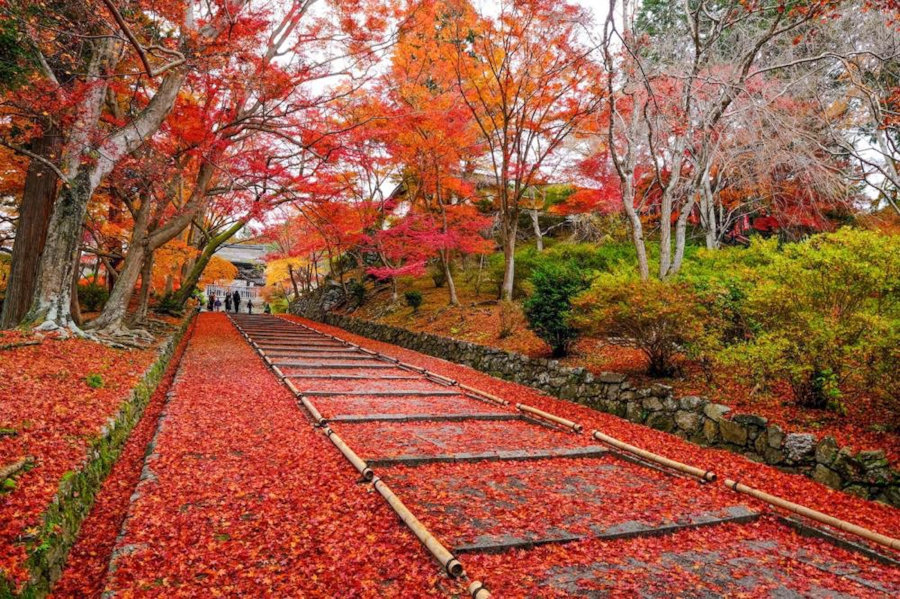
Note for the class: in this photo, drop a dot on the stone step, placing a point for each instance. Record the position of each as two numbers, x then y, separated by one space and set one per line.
340 366
590 451
392 393
624 530
356 418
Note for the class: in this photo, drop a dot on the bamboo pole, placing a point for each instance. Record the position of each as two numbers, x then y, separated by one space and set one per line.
859 531
705 475
291 386
488 396
440 553
409 366
439 379
351 456
277 372
548 416
317 417
478 591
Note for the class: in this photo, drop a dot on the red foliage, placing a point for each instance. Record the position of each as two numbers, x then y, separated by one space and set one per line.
604 200
249 499
46 399
88 560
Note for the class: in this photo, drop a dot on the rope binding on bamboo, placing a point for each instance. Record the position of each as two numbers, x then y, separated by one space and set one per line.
477 590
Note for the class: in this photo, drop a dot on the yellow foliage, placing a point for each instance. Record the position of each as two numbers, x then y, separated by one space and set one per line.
277 270
4 271
169 261
218 270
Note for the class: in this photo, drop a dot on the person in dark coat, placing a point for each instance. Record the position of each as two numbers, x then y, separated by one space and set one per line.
217 305
249 306
237 301
228 302
211 302
267 308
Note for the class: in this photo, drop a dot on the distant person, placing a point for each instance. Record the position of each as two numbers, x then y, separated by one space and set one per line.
218 304
228 302
211 302
249 306
236 301
267 308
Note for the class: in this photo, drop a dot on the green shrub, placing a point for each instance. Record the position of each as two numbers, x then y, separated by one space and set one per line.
92 297
356 292
94 380
169 304
437 274
662 319
549 306
413 299
587 257
722 280
828 309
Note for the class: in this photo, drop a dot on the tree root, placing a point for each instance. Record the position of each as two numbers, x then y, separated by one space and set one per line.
19 344
122 337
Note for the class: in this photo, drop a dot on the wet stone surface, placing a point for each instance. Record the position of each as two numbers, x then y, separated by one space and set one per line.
489 484
757 570
527 503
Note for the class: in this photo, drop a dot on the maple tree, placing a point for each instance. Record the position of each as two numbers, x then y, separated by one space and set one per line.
93 144
529 82
185 101
434 140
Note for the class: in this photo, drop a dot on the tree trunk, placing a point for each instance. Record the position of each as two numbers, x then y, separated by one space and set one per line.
116 308
51 305
75 304
509 257
680 238
665 233
187 286
448 275
31 232
637 227
293 281
538 235
146 275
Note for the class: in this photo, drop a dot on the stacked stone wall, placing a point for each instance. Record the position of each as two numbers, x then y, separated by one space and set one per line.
866 474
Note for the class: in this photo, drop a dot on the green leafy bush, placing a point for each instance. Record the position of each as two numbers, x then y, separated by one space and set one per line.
169 304
828 309
437 274
587 257
549 306
413 299
94 380
356 292
92 297
662 319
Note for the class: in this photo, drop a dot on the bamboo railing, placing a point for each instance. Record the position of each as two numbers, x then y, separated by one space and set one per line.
812 514
704 475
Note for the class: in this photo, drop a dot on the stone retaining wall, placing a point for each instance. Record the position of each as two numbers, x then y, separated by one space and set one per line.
866 474
70 506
